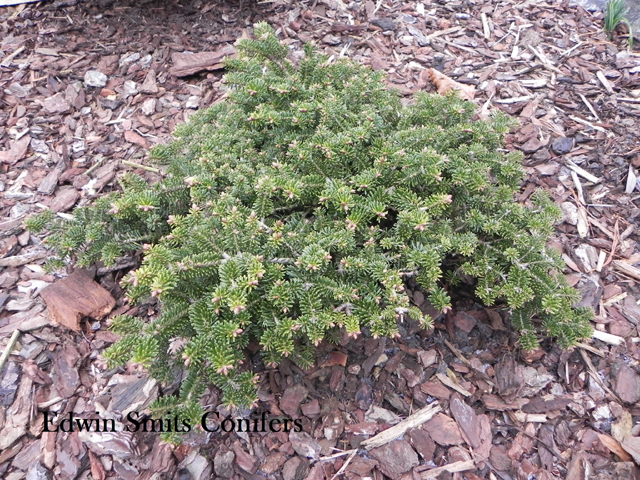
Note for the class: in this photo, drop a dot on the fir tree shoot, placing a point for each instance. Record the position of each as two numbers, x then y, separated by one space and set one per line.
300 206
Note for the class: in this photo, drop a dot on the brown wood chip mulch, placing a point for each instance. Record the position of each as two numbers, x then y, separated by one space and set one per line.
87 88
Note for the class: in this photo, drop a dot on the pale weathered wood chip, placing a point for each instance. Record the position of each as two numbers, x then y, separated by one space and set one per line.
460 466
418 418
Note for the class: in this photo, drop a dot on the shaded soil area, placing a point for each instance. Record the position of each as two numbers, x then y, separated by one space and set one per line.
86 89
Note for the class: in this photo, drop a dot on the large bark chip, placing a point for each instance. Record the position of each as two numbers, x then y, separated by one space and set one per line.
75 297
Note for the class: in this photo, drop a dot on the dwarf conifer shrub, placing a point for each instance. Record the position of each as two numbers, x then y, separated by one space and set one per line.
301 205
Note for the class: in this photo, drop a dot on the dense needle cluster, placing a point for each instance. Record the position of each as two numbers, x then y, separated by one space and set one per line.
301 205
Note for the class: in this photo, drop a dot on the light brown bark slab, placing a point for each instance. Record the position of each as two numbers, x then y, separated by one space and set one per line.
75 297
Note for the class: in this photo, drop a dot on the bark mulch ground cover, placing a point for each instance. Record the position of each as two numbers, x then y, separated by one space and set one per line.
87 88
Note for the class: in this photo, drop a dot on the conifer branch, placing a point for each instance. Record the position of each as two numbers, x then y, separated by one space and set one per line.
301 204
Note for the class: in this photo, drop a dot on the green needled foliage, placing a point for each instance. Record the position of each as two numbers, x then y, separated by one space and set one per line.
301 205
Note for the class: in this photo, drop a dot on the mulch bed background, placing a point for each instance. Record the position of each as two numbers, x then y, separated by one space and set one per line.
87 88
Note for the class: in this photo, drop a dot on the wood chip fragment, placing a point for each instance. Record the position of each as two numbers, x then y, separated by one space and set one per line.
628 100
567 52
461 466
507 101
25 321
17 415
545 61
443 32
185 64
19 260
494 402
603 229
589 124
583 221
615 447
530 417
615 298
534 82
594 374
6 61
582 172
48 449
8 3
17 150
75 297
8 348
570 263
466 419
453 385
632 445
457 353
608 338
589 106
418 418
631 180
135 138
628 270
602 256
486 30
591 349
578 184
605 83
